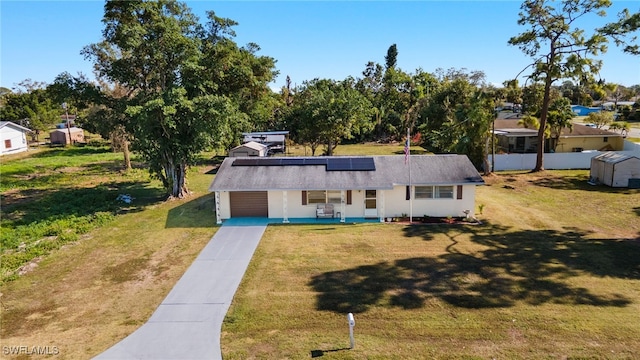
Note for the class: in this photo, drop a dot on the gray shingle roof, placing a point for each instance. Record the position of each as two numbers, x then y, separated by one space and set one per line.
390 171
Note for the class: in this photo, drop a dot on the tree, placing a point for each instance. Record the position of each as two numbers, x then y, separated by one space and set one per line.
327 111
392 57
560 116
457 118
183 100
32 108
600 118
622 31
560 50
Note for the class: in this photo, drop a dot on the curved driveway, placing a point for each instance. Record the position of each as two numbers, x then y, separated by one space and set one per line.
187 323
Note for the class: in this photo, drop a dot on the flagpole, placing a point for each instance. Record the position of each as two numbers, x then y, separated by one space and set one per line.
409 161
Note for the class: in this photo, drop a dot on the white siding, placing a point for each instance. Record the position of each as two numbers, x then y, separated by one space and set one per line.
625 170
17 137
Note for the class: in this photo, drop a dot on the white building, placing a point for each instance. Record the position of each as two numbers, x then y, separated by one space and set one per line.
13 138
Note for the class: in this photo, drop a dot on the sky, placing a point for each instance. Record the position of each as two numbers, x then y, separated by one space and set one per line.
308 39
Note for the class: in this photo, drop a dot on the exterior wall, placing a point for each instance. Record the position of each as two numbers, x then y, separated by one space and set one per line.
18 140
396 204
390 203
225 205
625 170
61 136
245 151
568 144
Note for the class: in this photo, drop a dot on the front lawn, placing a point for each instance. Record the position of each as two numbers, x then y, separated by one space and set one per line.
553 272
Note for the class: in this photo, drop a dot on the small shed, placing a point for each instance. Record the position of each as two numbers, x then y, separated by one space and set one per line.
61 136
13 138
251 148
614 169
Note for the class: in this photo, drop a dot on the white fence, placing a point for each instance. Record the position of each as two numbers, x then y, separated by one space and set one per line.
581 160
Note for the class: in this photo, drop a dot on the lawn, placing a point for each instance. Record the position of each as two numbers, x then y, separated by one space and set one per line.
543 277
553 272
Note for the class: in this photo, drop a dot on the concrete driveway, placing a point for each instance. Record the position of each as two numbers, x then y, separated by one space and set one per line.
187 323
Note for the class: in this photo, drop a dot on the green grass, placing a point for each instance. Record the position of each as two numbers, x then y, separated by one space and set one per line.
539 279
551 273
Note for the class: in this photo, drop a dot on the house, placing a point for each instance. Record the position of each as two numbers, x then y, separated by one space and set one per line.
276 141
615 170
515 138
345 187
67 136
581 110
13 138
251 148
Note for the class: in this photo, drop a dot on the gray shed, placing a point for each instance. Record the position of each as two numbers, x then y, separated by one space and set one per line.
251 148
61 136
614 169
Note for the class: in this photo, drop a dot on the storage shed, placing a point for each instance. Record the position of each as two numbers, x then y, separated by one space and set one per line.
61 136
615 170
251 148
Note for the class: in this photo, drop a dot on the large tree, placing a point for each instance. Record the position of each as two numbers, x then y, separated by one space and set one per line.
182 99
559 48
327 111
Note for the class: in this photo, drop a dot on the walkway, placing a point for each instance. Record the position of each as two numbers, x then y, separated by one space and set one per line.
187 323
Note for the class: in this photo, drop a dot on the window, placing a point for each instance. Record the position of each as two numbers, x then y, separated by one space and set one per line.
7 144
316 197
326 197
434 192
605 139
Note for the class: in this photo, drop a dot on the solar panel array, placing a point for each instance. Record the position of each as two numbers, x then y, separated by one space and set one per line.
332 164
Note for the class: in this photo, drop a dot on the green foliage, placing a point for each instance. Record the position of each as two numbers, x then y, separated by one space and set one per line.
325 111
191 86
600 118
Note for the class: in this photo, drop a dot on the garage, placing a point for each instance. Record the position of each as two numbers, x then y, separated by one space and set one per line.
249 204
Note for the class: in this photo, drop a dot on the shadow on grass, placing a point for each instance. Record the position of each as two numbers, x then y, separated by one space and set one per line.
319 353
198 213
516 267
34 206
72 151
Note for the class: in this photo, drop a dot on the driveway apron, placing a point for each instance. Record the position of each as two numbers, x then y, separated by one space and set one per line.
188 322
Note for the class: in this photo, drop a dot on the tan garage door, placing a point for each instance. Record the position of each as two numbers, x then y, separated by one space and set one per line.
249 204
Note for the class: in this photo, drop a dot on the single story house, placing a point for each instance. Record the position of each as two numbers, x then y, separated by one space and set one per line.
581 110
13 138
515 138
68 136
251 148
276 141
615 170
345 187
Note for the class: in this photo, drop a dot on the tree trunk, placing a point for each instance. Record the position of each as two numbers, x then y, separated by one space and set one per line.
175 177
127 155
543 119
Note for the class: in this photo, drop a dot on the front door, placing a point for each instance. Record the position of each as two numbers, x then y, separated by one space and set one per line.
370 204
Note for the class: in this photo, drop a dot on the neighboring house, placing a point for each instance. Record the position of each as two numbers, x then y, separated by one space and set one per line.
251 148
610 105
67 136
581 110
13 138
345 187
615 170
276 141
515 138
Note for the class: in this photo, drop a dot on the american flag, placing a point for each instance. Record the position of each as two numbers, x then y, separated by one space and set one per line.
406 150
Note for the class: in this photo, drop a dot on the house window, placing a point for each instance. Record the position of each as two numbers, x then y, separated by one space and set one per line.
7 144
434 192
324 197
316 197
605 139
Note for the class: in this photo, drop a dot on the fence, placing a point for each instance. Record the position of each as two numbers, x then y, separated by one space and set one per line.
557 161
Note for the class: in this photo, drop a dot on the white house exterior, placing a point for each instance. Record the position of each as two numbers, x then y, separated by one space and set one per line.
355 187
13 138
614 169
251 148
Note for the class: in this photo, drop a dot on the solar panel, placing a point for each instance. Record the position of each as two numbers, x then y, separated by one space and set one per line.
315 161
291 162
245 162
338 164
363 164
269 162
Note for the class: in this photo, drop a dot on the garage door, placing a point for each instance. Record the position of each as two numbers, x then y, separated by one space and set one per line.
249 204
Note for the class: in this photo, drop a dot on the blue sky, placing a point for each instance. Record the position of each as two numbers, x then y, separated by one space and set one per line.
323 39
